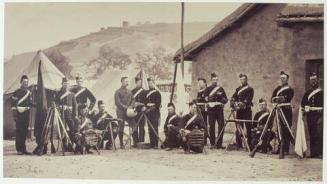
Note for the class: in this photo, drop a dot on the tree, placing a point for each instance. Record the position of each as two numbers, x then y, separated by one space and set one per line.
109 58
60 61
157 62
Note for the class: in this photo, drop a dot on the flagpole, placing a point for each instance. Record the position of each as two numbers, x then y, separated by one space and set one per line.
181 57
182 40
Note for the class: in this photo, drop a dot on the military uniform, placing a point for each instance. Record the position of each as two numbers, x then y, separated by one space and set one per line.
286 93
191 122
139 97
216 98
171 129
153 104
82 94
314 99
21 102
257 129
124 99
67 104
101 123
243 95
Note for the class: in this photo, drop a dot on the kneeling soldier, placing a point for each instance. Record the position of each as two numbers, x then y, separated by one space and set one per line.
171 129
258 126
192 124
101 120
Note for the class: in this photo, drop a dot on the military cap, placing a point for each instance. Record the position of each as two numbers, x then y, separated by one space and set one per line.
64 79
283 74
213 75
171 105
243 76
100 102
313 75
23 77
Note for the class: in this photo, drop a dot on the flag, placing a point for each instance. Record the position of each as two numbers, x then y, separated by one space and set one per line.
41 105
300 140
182 97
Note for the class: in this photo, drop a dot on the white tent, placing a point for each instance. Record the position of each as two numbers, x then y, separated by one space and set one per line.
51 77
106 86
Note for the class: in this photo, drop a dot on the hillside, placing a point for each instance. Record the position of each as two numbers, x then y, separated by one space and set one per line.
130 40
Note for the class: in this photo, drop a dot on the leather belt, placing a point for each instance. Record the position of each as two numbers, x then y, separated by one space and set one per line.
283 104
66 107
150 104
21 109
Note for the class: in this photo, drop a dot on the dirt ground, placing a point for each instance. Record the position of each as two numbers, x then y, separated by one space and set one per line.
136 164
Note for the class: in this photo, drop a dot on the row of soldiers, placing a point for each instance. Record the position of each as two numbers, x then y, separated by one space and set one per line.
72 104
212 99
209 107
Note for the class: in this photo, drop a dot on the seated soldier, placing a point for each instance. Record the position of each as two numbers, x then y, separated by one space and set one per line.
87 137
171 129
192 133
101 120
257 128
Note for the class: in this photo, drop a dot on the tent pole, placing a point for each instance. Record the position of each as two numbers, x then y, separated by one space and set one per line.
174 81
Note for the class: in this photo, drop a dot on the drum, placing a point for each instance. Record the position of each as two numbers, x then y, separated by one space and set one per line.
91 137
196 138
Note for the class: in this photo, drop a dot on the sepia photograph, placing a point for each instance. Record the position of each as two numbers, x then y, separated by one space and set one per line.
163 91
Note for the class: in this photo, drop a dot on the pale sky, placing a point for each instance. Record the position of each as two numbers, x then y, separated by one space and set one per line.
33 26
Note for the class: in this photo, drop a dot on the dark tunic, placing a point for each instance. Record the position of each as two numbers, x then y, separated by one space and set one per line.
67 104
83 94
314 98
139 96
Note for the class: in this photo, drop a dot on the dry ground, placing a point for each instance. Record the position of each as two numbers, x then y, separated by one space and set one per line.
161 165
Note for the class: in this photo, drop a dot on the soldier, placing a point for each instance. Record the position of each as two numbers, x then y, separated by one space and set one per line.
124 100
201 101
153 104
312 104
171 129
67 104
282 96
190 122
242 102
82 94
101 120
216 98
139 98
21 102
261 117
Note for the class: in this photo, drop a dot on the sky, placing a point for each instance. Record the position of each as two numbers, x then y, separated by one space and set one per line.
33 26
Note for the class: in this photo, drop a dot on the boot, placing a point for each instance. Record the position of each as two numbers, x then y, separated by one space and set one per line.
53 149
281 150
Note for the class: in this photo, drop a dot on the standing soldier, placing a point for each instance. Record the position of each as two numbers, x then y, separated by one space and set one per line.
123 101
21 102
153 103
66 102
242 102
312 103
82 94
139 98
282 96
201 101
216 98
